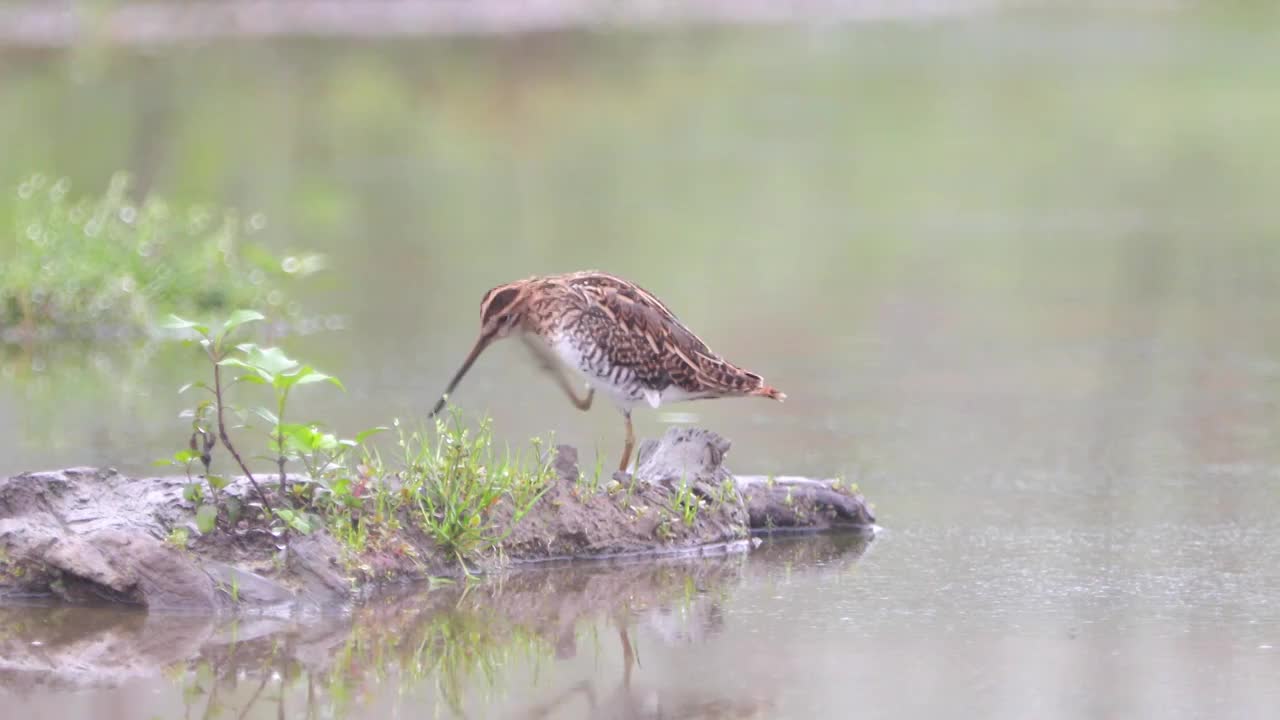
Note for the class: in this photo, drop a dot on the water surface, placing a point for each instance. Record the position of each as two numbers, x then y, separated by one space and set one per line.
1018 276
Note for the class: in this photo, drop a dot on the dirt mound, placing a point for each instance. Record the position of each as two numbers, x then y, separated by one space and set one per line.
93 535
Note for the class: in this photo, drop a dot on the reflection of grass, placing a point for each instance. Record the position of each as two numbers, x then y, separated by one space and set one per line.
111 261
453 650
459 647
473 638
462 648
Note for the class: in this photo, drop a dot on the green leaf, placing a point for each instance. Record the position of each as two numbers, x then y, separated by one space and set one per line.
235 362
240 317
206 518
272 360
307 438
176 323
267 415
297 431
366 434
297 521
182 457
260 375
217 481
284 381
315 376
192 492
205 408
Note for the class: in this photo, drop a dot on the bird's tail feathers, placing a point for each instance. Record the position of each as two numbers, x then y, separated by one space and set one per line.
769 392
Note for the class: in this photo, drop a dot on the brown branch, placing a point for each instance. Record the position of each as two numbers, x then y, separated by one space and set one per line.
284 483
226 442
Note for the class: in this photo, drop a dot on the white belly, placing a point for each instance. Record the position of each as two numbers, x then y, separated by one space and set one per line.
571 358
674 393
621 391
619 388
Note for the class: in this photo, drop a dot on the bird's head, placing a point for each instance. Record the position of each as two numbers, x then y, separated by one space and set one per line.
502 310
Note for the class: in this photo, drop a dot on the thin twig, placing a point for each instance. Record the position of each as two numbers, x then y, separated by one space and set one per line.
284 487
226 442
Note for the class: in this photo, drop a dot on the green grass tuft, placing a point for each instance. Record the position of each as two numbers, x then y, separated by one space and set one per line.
112 261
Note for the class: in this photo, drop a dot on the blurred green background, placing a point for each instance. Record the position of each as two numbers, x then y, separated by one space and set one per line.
1017 272
1022 177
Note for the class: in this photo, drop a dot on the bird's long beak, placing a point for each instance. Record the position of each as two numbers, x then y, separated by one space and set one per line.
481 343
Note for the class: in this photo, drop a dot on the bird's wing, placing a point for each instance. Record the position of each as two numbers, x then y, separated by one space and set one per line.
646 336
597 284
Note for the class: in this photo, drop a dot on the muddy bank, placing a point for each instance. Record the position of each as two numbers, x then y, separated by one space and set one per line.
86 535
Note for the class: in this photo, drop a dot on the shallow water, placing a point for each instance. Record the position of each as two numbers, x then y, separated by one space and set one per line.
1017 275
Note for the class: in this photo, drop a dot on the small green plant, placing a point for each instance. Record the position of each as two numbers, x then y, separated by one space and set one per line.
840 485
687 503
318 451
451 483
664 530
629 486
232 589
590 485
114 260
178 538
728 491
460 486
209 415
271 367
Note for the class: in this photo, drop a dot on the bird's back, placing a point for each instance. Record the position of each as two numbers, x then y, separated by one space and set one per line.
621 334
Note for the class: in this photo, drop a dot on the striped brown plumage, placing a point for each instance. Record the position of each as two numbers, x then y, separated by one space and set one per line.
620 338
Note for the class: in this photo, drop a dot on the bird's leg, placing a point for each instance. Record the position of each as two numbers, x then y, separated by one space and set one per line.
583 404
547 363
631 441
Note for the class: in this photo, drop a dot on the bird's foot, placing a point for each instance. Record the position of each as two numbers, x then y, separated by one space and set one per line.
622 476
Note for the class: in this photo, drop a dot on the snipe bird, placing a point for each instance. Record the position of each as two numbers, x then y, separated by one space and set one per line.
617 336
